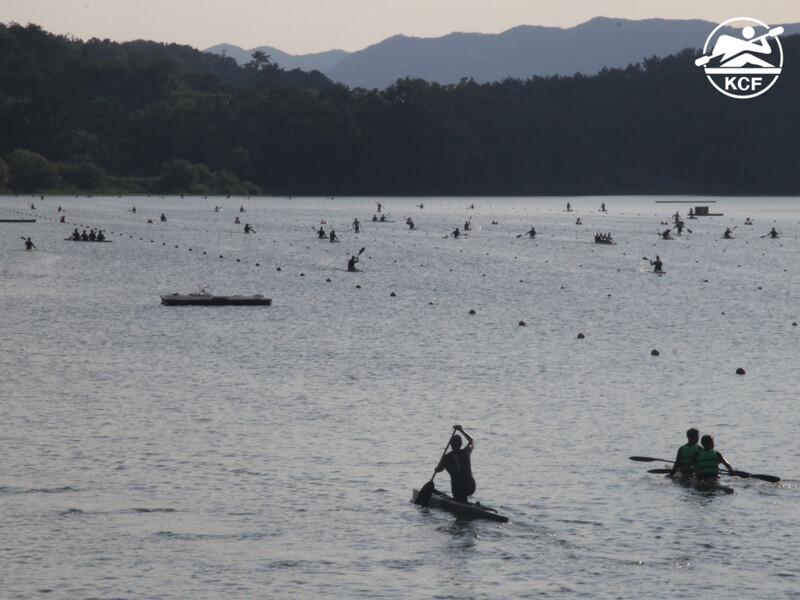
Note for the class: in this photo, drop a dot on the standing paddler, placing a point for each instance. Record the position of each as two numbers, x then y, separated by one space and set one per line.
458 465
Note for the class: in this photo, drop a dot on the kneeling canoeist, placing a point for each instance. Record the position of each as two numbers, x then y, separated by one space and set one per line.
29 245
531 233
248 229
686 452
728 235
666 234
332 236
774 233
458 465
707 460
657 264
456 233
351 264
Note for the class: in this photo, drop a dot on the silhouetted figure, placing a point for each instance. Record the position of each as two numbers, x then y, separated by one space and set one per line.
458 465
657 264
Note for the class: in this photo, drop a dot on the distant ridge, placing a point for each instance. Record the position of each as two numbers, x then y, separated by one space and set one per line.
320 61
521 52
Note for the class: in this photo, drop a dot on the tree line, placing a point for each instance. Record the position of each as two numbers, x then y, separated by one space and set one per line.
100 116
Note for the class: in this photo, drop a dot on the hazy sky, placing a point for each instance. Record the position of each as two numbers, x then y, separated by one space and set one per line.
303 26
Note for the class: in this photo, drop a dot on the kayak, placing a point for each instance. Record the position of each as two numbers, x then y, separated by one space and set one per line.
701 485
599 238
211 300
471 510
69 239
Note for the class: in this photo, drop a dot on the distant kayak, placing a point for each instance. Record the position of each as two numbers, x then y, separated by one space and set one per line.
204 299
69 239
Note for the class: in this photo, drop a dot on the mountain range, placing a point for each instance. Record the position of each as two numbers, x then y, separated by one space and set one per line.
521 52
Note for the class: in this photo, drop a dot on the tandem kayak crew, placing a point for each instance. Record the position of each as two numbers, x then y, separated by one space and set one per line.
458 465
686 452
707 460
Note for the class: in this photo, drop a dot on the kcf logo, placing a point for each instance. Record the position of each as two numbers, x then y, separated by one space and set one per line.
745 64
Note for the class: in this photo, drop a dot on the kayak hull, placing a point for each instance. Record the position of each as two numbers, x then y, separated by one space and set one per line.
461 510
701 485
210 300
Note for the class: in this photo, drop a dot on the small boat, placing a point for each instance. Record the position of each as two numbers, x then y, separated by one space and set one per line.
600 238
206 299
460 509
72 239
701 485
17 220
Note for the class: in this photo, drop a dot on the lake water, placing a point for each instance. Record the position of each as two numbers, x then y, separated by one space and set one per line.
270 452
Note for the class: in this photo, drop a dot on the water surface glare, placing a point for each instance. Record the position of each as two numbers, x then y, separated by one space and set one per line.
270 452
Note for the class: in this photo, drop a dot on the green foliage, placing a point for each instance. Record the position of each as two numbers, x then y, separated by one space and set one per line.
166 118
31 172
82 174
179 176
4 174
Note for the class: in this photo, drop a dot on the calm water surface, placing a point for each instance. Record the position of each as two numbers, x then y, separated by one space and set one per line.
250 452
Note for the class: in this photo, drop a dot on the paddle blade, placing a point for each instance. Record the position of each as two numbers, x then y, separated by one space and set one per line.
660 471
648 459
425 494
746 475
361 251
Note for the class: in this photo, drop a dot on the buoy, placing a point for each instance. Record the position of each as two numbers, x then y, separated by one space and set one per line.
581 336
472 311
654 352
522 323
358 286
302 274
740 371
393 294
328 280
278 269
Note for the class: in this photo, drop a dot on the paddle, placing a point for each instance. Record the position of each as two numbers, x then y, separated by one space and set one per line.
704 60
735 473
648 459
426 492
745 474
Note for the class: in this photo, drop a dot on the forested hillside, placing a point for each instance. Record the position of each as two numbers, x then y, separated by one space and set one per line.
99 116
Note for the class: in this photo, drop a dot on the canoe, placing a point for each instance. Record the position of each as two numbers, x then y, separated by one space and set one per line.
17 220
701 485
211 300
464 511
69 239
599 238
